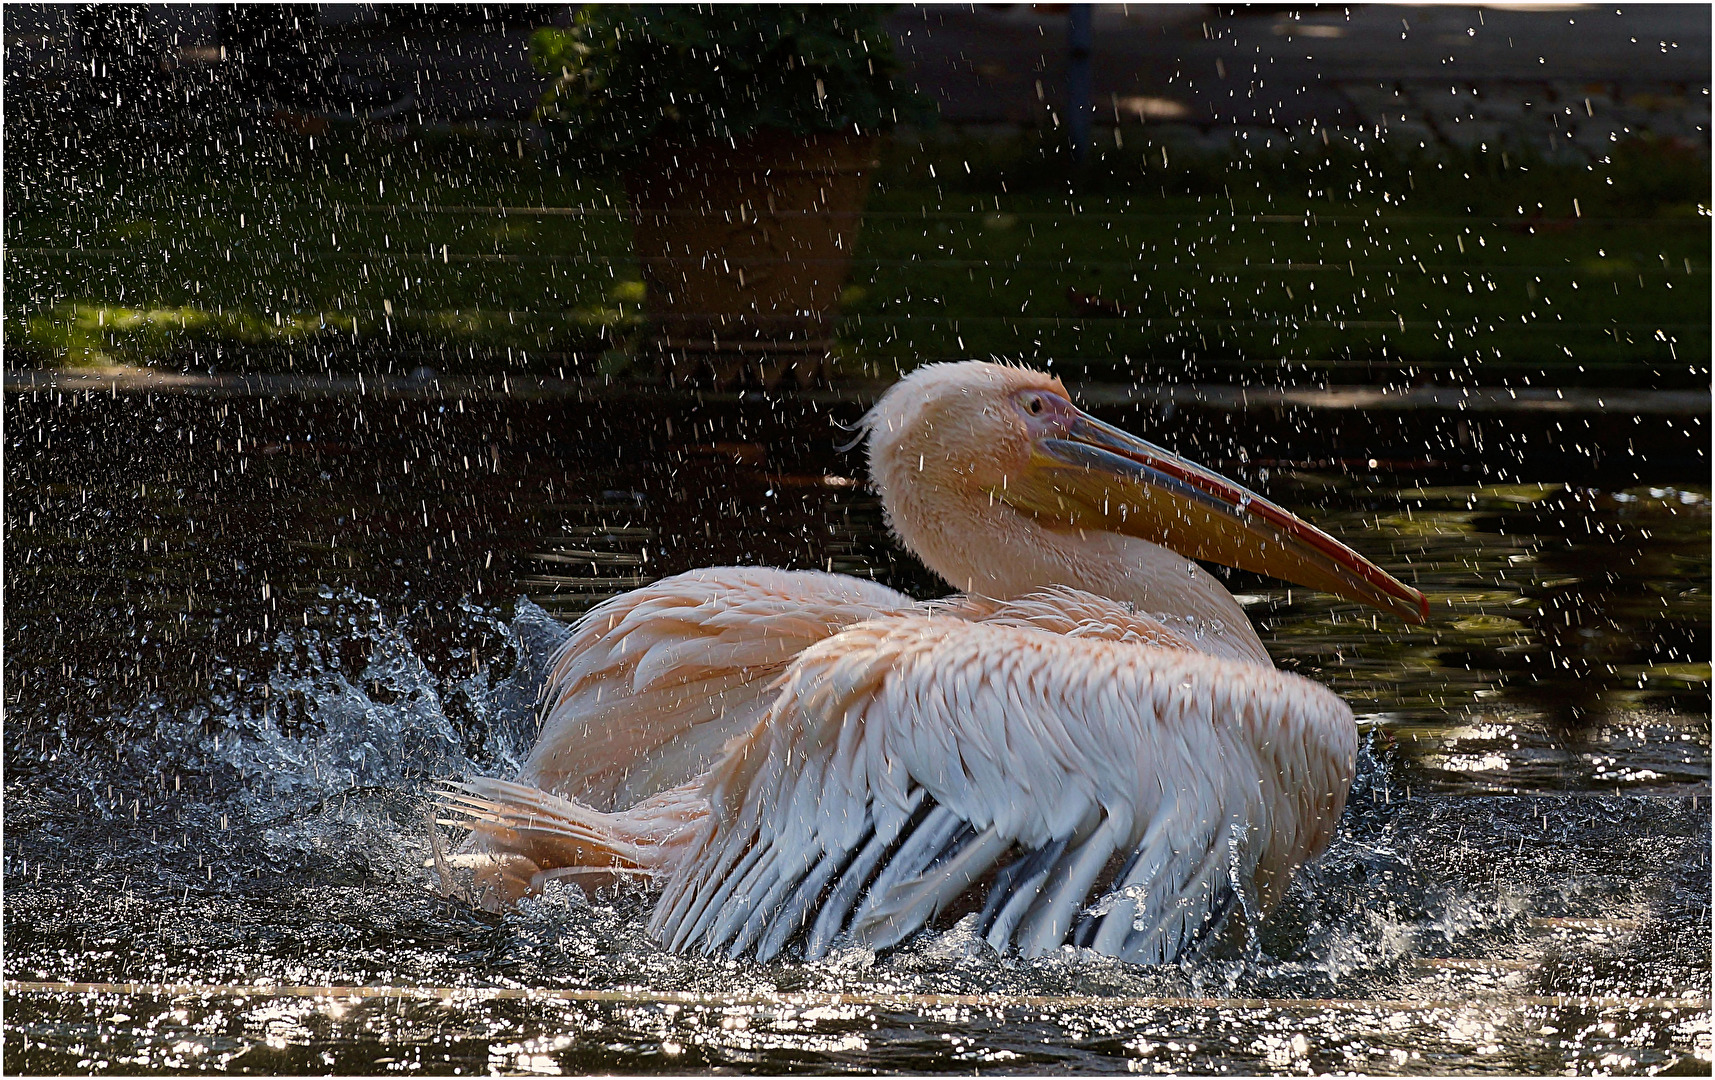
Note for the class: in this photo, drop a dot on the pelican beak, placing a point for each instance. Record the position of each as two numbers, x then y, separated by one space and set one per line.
1089 475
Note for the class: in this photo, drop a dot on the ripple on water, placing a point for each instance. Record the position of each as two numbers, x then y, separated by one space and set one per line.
282 848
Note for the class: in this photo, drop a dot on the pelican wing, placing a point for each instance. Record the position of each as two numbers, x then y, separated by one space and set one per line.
652 684
1064 789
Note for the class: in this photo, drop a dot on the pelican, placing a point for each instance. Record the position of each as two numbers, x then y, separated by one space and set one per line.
1087 746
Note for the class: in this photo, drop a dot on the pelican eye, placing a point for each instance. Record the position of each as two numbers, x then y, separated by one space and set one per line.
1034 405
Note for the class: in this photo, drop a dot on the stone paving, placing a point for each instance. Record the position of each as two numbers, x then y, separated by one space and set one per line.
1555 118
1557 80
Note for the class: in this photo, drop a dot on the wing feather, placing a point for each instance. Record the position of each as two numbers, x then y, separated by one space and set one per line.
904 760
1021 891
831 919
652 684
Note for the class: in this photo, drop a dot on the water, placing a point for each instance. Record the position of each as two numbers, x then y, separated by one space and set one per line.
243 631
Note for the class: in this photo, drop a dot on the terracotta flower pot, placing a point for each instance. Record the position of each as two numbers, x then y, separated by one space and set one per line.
745 250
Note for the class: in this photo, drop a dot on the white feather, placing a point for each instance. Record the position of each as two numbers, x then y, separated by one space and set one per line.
1107 746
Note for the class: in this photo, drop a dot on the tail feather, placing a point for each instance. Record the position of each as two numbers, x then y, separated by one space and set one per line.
532 837
548 830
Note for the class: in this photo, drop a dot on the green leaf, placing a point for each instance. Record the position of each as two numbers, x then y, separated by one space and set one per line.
629 76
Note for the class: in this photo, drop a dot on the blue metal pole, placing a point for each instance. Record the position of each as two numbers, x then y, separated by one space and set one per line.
1078 89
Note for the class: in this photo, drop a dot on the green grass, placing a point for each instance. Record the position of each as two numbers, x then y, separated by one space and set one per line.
1328 261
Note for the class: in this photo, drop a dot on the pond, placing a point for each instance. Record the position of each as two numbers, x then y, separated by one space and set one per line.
246 625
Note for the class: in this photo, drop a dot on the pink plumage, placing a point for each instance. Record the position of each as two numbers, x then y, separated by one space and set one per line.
1088 746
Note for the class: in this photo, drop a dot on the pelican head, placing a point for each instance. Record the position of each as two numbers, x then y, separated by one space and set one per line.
968 454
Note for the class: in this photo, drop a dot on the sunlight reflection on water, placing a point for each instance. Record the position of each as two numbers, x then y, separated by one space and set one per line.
214 773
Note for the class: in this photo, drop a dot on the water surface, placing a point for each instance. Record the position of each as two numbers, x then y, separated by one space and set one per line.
242 632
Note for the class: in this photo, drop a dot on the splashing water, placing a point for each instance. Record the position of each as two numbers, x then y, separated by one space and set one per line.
186 805
284 846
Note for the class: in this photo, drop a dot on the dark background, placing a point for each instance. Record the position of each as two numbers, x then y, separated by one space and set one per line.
1358 193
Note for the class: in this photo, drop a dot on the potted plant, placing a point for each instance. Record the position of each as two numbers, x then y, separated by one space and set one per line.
745 134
